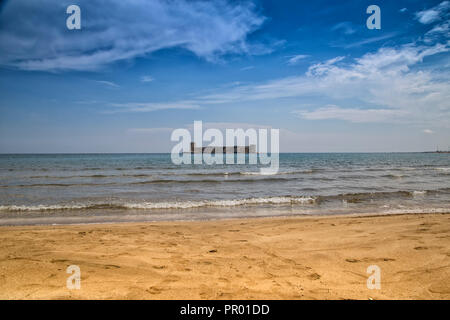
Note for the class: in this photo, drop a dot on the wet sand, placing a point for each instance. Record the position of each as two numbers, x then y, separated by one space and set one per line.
265 258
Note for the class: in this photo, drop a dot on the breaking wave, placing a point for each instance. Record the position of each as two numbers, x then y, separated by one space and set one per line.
191 204
167 205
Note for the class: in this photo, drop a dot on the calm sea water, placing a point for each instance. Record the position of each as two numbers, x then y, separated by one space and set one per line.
84 188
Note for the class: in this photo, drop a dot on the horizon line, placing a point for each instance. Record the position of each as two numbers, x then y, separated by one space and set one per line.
287 152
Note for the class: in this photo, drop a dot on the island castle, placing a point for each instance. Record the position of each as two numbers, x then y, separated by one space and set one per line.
223 149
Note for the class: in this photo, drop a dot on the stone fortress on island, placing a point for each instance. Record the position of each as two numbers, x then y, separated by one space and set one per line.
223 149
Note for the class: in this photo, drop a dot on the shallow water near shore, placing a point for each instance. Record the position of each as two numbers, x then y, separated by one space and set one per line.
85 188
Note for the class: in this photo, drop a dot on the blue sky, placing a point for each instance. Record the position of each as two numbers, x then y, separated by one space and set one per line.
137 70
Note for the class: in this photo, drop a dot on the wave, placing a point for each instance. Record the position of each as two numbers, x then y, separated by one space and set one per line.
181 174
156 181
202 174
394 176
49 185
286 200
271 200
229 174
369 196
257 173
161 181
337 174
443 171
71 177
93 176
87 168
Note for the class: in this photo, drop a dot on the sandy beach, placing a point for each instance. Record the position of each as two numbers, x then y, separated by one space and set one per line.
266 258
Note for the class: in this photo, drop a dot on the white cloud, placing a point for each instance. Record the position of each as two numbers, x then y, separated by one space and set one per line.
439 30
205 125
151 106
34 35
428 16
147 79
151 130
323 67
434 14
388 85
350 114
428 131
346 27
293 60
221 126
403 9
368 40
108 83
230 125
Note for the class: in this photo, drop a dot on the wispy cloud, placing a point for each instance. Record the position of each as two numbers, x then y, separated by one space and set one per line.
346 27
351 114
369 40
209 29
151 130
151 106
147 79
428 131
247 68
434 14
108 83
229 125
438 17
389 85
293 60
403 9
439 29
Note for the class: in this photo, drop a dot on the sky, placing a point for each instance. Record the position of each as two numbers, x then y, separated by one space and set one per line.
137 70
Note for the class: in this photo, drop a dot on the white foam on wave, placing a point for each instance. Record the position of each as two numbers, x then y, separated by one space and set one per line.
42 207
418 193
254 173
168 205
220 203
257 173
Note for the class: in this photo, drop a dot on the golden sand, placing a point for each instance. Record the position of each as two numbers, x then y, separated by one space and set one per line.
266 258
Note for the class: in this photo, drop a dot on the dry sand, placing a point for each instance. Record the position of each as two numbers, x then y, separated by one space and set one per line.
266 258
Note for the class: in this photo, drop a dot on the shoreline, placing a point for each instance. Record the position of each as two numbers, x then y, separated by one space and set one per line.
313 257
206 219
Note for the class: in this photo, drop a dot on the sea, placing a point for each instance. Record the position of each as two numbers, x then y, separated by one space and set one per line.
102 188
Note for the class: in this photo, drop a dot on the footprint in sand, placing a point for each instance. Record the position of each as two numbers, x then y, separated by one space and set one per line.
441 287
154 290
58 260
159 267
387 259
314 276
430 247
